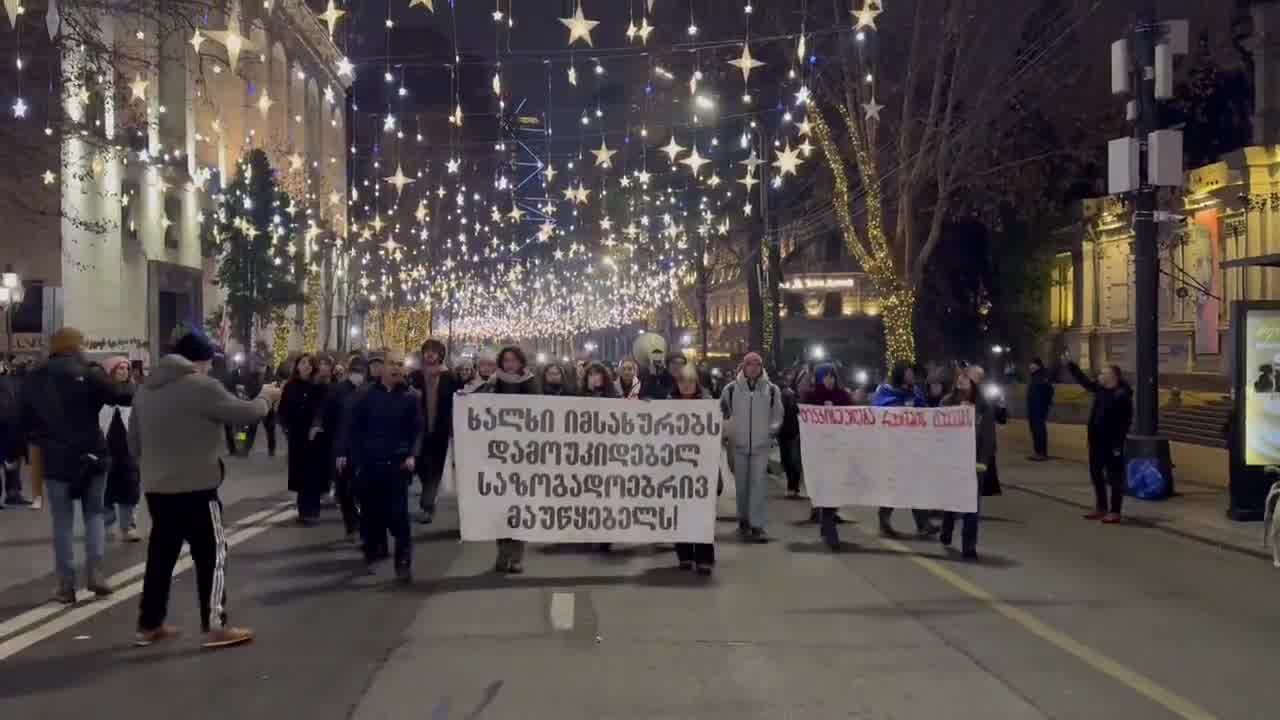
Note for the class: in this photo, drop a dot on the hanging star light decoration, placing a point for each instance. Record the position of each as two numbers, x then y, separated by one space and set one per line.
197 39
644 175
752 162
377 224
48 177
672 149
695 161
803 127
624 181
604 155
583 194
516 213
806 148
265 102
549 172
606 224
714 181
866 16
643 31
330 16
788 159
295 162
452 166
570 194
746 63
345 67
871 110
749 181
421 213
399 180
631 30
545 230
573 75
579 27
234 42
428 4
138 88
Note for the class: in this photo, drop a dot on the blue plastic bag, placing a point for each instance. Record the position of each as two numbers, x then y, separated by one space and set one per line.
1145 480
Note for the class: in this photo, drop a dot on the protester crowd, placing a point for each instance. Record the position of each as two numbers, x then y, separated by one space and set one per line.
361 429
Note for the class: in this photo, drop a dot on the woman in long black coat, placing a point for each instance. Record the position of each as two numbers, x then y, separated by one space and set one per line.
300 404
124 483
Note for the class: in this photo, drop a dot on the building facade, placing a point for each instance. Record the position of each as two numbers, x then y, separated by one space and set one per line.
142 150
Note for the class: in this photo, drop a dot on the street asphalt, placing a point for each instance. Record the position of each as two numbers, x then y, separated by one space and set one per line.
1061 618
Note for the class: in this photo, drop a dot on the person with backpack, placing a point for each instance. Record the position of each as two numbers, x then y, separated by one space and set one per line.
752 407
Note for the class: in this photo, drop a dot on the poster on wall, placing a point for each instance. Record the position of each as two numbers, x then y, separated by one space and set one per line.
1206 248
1262 387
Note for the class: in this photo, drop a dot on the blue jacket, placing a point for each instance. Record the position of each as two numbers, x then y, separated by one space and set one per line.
888 396
386 427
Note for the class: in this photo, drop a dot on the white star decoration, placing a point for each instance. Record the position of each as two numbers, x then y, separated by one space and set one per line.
752 162
579 27
694 161
673 149
452 166
788 160
138 88
866 16
549 173
746 63
399 180
871 110
330 16
604 155
48 177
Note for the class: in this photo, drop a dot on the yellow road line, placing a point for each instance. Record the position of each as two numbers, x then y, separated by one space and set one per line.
1136 681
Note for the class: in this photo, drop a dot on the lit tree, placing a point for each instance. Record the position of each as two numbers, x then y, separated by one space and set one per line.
255 239
919 139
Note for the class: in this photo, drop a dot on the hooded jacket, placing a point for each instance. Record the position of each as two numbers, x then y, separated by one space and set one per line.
755 414
60 405
176 427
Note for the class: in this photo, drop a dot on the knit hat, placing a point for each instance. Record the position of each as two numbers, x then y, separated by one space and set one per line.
66 341
109 365
752 357
194 348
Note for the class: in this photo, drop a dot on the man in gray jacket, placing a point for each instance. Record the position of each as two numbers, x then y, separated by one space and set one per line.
175 431
753 412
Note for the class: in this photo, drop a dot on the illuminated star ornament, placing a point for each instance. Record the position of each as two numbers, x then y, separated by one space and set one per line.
399 180
579 27
452 166
746 63
48 177
265 102
330 16
788 160
428 4
234 42
138 88
866 16
644 30
694 161
516 213
673 148
197 40
295 162
345 67
549 173
545 230
872 110
604 155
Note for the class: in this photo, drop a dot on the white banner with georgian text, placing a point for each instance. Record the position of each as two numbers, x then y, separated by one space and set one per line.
890 457
568 470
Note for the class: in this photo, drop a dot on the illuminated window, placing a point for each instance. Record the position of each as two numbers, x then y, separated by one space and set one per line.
1062 292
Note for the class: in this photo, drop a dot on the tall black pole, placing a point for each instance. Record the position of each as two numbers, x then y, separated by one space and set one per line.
1146 259
1145 442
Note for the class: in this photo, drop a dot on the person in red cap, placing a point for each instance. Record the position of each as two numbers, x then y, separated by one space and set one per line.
753 413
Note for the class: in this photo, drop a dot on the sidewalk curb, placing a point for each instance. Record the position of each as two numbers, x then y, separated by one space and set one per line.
1186 534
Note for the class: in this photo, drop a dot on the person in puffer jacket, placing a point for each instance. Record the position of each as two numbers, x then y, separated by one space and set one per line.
753 411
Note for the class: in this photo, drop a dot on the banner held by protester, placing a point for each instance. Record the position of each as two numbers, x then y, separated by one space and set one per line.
556 469
890 457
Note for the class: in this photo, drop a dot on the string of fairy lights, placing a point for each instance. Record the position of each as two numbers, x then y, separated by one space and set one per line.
582 215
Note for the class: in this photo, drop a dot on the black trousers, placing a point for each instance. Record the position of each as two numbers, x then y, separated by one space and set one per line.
230 434
827 524
696 553
269 425
384 505
194 518
345 487
789 449
430 471
1039 434
968 530
1106 470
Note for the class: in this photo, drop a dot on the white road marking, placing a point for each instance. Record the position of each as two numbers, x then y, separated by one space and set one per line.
248 528
561 611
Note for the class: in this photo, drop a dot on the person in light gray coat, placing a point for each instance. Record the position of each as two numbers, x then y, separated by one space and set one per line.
753 412
175 431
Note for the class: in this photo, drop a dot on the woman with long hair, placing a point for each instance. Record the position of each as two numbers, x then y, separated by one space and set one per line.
300 404
511 378
827 392
124 484
967 392
693 556
596 382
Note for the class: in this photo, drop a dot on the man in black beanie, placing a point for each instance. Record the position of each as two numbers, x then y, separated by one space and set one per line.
174 431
